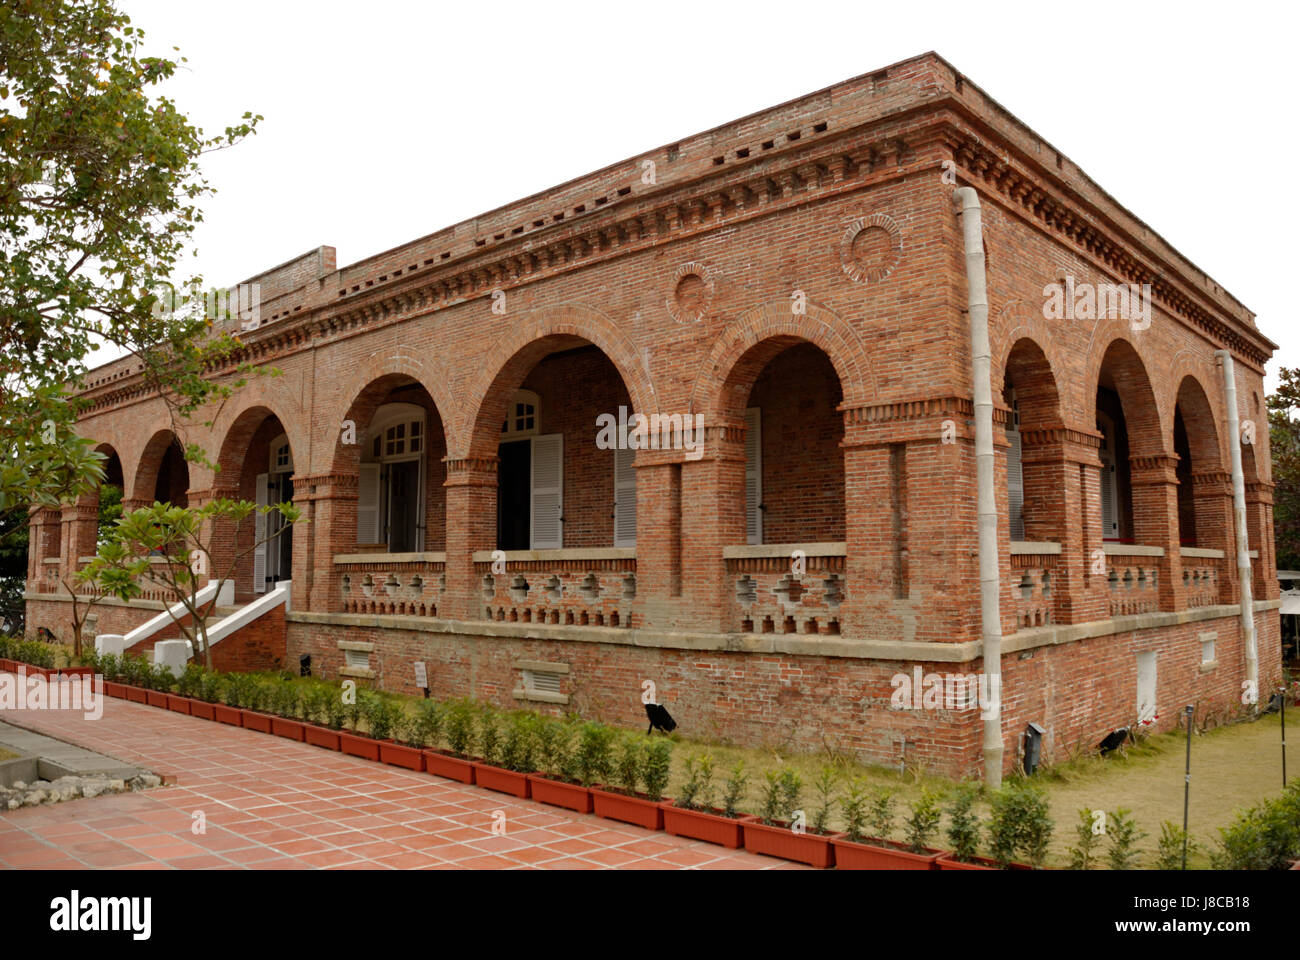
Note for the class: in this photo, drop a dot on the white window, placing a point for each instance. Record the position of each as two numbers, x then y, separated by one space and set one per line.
1207 647
1109 479
1015 473
754 475
281 456
523 416
390 492
1146 686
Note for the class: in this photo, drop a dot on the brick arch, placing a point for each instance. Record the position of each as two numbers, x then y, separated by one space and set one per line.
1032 368
756 336
150 462
1144 415
236 432
536 334
1201 422
371 381
1014 324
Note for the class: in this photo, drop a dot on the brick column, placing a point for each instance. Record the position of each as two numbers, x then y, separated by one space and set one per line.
471 525
329 526
1155 521
1084 590
1259 517
713 516
660 521
1212 503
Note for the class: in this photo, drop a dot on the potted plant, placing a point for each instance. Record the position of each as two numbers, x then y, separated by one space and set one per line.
404 745
963 833
322 706
285 703
879 852
556 780
786 838
233 692
257 698
458 730
642 761
111 670
207 696
157 680
1019 822
371 709
134 671
187 687
693 814
513 758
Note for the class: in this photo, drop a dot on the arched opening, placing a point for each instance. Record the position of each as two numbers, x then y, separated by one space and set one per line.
163 475
1128 420
1200 463
256 463
107 497
1033 403
393 442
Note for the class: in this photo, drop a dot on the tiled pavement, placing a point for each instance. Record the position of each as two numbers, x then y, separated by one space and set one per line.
276 804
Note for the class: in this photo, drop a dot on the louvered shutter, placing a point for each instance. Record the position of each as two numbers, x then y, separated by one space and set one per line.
624 498
753 475
547 492
1109 481
368 504
259 532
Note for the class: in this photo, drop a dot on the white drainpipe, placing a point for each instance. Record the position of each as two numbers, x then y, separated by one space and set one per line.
1239 521
967 201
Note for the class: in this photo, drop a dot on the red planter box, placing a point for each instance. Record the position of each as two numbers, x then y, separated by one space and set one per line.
7 665
780 841
355 746
627 808
156 698
231 715
137 694
874 854
178 704
74 671
322 737
202 709
501 780
400 755
289 729
261 722
570 796
445 765
112 689
947 862
707 825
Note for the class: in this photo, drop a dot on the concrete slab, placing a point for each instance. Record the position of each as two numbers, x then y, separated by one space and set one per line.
59 759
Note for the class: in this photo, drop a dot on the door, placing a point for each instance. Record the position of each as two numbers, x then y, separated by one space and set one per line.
283 544
513 498
403 506
1146 686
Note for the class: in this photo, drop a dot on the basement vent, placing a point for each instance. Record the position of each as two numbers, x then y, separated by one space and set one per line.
543 681
357 659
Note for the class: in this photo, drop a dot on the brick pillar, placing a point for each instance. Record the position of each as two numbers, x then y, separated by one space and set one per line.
875 576
471 526
660 521
1212 503
1259 518
1155 521
1081 572
713 516
329 527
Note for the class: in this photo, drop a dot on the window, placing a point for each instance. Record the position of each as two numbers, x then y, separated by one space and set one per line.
753 475
390 494
522 415
1109 479
1015 472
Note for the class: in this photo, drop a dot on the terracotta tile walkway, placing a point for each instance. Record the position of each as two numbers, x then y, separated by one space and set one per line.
276 804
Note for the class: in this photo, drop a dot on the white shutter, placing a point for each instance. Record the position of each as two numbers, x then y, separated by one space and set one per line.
753 475
547 492
368 503
1109 481
624 498
259 531
1015 478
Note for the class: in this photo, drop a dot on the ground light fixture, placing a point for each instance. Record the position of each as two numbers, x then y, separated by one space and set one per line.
1033 747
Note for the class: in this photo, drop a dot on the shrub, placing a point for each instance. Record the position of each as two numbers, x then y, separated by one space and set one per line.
855 808
781 795
427 725
285 700
460 727
825 786
923 821
1265 837
520 744
593 759
133 669
737 780
489 736
158 677
336 711
1020 823
382 715
190 682
1123 834
315 702
1169 847
555 748
1084 854
657 767
210 686
696 792
627 769
109 665
239 690
963 824
880 813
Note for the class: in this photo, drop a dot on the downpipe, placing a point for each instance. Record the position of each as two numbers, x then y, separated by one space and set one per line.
1239 522
968 205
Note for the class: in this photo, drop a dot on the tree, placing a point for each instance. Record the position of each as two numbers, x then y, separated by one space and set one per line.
182 539
1284 440
99 191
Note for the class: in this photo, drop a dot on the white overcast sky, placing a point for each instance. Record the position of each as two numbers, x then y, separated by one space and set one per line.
387 120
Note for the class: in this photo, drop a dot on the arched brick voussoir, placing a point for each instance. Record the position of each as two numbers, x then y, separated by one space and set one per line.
1017 321
234 429
1115 345
508 361
774 321
1203 412
148 461
427 370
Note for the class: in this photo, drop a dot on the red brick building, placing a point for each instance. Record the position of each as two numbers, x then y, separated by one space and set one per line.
796 280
